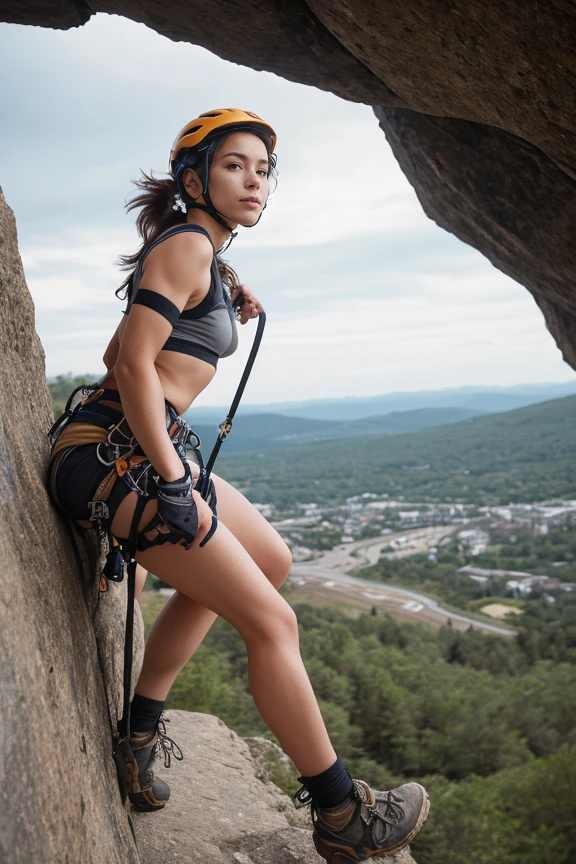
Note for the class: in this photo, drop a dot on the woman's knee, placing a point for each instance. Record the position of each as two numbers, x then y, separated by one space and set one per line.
280 566
275 624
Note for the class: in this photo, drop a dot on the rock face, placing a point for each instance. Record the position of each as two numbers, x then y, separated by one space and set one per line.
223 808
59 794
476 99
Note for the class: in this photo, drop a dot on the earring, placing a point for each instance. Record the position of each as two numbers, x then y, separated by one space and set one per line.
179 203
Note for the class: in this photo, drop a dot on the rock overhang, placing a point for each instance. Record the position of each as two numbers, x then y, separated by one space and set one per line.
477 102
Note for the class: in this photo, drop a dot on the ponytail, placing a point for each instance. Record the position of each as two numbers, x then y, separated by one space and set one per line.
156 216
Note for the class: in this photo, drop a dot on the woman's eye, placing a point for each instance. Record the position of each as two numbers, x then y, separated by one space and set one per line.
234 165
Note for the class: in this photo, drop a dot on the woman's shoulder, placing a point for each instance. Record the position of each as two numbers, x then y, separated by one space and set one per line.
182 240
181 250
180 267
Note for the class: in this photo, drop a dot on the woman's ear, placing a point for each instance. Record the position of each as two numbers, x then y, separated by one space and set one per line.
192 183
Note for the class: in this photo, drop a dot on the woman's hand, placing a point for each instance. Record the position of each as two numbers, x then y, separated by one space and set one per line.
206 525
251 306
183 515
206 520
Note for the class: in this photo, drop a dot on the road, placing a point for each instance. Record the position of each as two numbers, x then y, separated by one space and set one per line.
328 576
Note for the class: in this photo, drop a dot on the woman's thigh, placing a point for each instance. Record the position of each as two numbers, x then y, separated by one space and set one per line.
221 576
257 536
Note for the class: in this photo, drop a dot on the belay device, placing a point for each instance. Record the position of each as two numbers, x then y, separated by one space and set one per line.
123 554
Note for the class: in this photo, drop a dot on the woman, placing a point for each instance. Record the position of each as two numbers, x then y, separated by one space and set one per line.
164 353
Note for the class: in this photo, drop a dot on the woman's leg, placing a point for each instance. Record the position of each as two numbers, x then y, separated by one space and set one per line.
176 633
224 578
182 624
257 536
141 575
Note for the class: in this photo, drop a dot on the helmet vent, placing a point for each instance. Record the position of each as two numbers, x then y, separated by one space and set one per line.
191 130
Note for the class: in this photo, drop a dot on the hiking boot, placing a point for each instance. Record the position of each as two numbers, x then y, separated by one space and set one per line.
368 823
145 791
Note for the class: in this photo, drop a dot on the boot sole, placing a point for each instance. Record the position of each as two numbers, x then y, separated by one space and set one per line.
145 802
339 855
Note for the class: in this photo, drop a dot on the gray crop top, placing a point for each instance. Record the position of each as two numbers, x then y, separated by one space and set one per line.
208 331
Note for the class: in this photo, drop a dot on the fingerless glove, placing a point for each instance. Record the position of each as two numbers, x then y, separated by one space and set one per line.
177 508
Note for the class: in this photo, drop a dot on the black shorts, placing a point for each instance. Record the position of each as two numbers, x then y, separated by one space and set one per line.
80 471
78 476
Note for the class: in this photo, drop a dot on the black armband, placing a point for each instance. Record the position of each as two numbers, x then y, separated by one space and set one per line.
159 303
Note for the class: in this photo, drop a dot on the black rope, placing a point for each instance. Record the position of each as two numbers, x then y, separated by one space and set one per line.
226 426
124 722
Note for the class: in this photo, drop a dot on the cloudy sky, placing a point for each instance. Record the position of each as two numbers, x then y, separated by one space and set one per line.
364 294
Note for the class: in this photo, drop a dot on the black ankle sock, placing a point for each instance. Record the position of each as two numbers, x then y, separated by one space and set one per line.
331 787
144 713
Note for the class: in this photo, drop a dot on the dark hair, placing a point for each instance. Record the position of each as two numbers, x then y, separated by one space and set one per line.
157 214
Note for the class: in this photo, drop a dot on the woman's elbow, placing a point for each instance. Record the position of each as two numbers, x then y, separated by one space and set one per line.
127 369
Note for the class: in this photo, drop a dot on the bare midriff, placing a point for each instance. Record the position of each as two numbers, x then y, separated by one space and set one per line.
182 378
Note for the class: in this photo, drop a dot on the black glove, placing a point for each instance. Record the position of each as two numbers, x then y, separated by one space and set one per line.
205 487
176 509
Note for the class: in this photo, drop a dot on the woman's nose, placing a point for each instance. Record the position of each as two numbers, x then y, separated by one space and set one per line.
253 180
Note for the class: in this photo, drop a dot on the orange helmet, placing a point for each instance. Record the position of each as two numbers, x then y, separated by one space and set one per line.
196 131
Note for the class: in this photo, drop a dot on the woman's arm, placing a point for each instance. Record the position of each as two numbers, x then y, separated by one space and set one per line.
178 269
111 353
251 306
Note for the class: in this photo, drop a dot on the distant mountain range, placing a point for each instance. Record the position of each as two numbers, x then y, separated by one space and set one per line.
526 454
476 399
522 455
265 431
262 427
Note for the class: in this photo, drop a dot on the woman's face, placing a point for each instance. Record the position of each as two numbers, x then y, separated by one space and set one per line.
238 179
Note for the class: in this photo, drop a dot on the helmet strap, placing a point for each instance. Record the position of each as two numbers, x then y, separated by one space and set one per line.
189 202
214 214
208 207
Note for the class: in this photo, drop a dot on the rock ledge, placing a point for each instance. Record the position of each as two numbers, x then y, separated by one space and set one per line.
223 808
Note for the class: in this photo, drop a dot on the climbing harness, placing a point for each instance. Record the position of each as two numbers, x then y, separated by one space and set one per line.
118 450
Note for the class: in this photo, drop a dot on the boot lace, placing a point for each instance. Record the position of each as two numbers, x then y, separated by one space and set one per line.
166 745
378 820
392 814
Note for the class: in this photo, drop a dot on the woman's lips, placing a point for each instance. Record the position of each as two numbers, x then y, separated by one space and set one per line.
250 202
